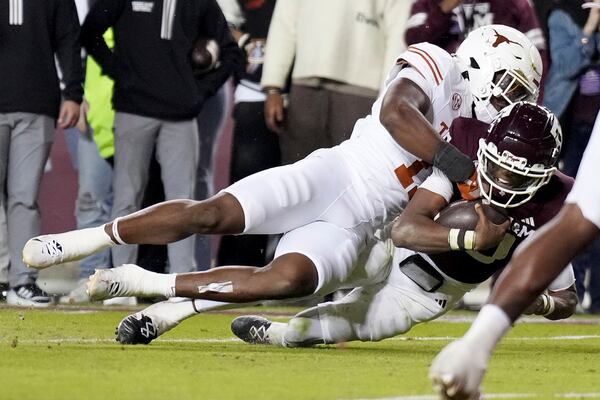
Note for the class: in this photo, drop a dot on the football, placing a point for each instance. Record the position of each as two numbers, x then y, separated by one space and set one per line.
461 214
204 55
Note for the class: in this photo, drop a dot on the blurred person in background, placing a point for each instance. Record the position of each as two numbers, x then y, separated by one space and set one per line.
32 34
341 51
447 22
255 147
157 97
210 124
573 93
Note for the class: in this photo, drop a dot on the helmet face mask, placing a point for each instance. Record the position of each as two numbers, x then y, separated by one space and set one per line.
506 180
519 154
502 67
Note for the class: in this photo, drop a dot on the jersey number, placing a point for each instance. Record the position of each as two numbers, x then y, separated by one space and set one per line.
406 174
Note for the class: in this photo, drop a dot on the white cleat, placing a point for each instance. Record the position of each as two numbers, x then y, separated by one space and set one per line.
44 251
457 372
124 281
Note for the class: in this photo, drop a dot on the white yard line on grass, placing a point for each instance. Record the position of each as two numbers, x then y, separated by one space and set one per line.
496 396
448 338
109 341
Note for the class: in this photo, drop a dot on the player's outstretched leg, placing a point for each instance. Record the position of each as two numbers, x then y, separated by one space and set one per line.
291 275
146 325
162 223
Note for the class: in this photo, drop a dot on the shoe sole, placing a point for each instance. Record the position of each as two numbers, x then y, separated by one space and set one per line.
25 303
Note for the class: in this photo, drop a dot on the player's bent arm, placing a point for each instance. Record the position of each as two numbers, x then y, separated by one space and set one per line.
415 229
538 261
403 113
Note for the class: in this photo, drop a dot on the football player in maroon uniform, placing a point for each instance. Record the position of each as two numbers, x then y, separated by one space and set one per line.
457 372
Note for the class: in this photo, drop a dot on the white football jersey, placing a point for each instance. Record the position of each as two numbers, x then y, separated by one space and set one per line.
375 157
586 190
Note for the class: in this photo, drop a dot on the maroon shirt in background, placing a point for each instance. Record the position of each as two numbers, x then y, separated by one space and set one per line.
427 22
460 265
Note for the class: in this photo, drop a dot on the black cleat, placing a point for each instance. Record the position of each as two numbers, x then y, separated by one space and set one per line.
136 329
251 329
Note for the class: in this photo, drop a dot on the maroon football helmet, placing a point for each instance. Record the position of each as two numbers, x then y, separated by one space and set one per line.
519 154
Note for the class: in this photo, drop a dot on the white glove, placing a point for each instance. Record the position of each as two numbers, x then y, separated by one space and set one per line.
457 371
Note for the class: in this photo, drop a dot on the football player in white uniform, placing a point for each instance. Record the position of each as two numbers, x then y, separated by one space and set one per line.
458 370
329 204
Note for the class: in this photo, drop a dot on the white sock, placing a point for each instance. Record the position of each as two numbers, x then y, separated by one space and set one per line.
84 241
155 284
489 327
174 309
276 333
202 305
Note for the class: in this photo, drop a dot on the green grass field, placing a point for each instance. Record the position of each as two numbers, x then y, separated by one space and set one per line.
71 354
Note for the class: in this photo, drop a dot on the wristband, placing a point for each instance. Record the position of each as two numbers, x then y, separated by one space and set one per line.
461 239
272 90
549 304
453 239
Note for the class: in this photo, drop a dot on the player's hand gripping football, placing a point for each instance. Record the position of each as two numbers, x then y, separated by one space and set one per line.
488 234
457 371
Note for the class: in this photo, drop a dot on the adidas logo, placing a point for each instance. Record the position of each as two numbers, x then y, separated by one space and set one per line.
441 302
529 221
52 248
114 288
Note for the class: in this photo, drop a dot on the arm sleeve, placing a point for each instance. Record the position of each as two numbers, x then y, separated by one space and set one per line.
586 190
232 12
427 23
215 26
68 50
102 16
438 183
281 44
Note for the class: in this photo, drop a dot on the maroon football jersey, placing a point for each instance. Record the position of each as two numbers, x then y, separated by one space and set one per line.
475 266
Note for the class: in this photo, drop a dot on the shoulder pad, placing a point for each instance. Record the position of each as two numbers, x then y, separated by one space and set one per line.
429 60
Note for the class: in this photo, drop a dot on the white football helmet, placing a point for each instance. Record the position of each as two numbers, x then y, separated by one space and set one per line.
502 66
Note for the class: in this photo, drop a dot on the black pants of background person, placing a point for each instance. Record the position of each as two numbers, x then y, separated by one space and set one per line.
254 149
